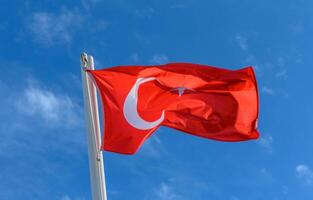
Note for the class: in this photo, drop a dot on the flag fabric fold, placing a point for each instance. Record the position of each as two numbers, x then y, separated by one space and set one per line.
201 100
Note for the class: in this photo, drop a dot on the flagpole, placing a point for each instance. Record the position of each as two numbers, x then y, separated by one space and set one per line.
96 168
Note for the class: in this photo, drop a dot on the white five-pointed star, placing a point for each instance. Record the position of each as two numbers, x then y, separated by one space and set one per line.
181 90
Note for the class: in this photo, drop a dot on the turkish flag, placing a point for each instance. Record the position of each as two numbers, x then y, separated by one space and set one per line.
201 100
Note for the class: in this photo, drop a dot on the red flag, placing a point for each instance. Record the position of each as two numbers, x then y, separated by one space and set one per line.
201 100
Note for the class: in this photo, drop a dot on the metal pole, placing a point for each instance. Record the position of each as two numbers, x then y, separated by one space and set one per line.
96 168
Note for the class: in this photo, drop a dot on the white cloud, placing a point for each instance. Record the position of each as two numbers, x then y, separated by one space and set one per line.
305 174
87 4
266 141
234 198
134 57
166 192
142 38
242 42
31 137
285 189
181 188
299 58
280 61
250 59
145 13
66 197
50 28
297 28
266 174
53 107
153 147
38 111
102 25
268 90
159 59
281 74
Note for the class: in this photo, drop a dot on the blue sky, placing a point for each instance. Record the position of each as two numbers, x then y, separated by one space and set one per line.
43 152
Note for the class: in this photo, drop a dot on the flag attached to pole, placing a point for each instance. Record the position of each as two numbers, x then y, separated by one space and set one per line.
201 100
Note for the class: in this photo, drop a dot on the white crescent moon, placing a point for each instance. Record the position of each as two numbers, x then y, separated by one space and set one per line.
130 108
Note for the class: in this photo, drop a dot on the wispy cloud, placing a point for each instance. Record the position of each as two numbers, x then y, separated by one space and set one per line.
134 57
153 147
65 197
159 59
51 28
142 38
242 42
145 13
53 107
37 123
297 27
281 74
266 174
299 58
166 192
305 174
281 61
87 4
234 198
268 90
181 187
285 189
37 111
266 141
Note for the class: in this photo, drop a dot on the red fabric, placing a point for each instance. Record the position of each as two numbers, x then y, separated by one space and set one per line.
217 103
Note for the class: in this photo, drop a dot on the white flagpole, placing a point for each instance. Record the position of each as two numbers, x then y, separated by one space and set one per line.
97 177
